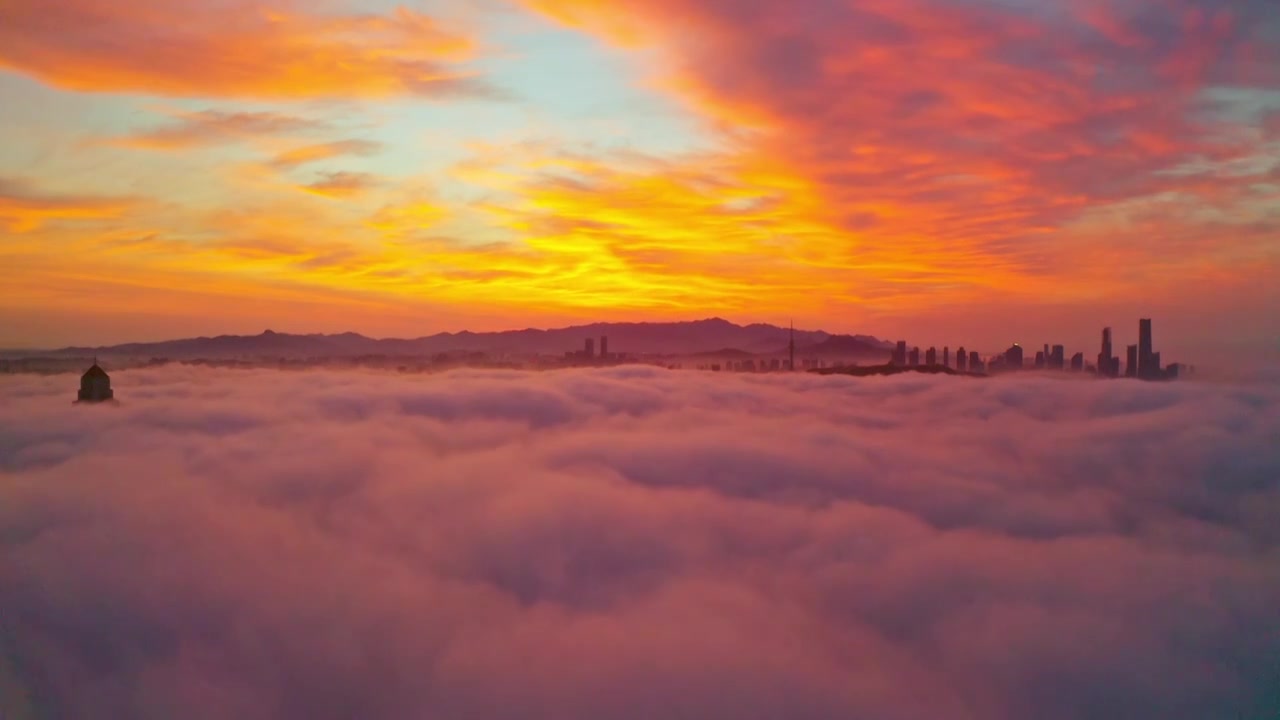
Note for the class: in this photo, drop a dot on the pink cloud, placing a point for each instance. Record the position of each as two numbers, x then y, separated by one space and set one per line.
635 543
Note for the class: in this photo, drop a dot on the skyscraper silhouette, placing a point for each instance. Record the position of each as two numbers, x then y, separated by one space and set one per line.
1107 363
1144 348
604 347
589 350
962 360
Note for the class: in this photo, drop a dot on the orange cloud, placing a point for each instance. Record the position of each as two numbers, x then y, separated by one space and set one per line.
322 151
248 48
24 209
211 127
340 184
949 146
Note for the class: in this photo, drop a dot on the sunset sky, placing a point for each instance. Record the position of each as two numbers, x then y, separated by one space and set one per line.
952 171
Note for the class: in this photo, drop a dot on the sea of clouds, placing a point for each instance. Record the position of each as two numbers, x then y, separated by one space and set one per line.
633 543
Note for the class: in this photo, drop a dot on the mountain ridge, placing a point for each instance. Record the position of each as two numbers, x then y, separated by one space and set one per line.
647 338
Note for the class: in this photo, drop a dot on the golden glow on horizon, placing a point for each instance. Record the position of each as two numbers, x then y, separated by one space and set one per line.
886 172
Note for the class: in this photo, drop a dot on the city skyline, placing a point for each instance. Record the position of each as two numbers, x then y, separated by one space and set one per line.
1142 361
639 359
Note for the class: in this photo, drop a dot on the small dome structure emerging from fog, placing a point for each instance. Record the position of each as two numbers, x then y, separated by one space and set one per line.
95 386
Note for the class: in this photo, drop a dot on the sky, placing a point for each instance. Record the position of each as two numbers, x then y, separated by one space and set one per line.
602 543
959 172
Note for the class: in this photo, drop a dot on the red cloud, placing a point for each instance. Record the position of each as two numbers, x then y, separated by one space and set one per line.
242 48
986 128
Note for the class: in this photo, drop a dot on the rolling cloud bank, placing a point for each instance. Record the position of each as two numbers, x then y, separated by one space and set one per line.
633 543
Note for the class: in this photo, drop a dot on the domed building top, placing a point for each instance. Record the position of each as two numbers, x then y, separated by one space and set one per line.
96 372
95 385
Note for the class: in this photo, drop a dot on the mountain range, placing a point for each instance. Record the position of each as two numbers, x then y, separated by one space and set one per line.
709 336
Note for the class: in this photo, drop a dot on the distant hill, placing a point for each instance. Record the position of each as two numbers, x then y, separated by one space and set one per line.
676 338
846 346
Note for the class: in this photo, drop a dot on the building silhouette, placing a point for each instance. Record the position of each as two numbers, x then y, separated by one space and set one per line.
931 356
1058 358
1145 368
913 357
604 347
95 385
1041 358
589 349
946 357
1108 364
1013 357
1077 362
900 353
975 362
962 360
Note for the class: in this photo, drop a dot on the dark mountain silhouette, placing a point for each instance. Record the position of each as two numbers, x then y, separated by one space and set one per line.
845 346
676 338
890 369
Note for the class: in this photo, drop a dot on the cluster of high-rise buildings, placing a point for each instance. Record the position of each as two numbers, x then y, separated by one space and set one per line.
964 361
588 352
1141 360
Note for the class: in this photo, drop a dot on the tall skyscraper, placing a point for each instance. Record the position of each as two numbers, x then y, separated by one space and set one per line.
1107 363
962 360
931 356
589 350
913 357
604 347
900 353
975 362
1144 348
946 356
1131 361
1058 358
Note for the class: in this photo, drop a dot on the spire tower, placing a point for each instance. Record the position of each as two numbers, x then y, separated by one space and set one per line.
791 348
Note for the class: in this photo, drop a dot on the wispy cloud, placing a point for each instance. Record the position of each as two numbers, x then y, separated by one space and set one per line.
213 127
24 208
323 151
341 184
252 49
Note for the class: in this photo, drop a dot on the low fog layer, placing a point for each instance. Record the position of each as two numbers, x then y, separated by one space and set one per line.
634 543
